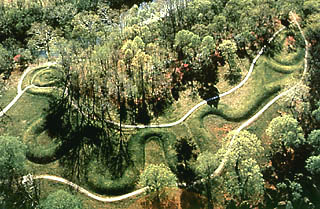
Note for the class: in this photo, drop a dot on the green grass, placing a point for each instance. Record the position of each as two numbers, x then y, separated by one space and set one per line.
264 84
41 147
100 179
154 154
27 109
285 58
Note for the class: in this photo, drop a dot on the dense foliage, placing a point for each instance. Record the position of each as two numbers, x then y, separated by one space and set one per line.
157 177
13 167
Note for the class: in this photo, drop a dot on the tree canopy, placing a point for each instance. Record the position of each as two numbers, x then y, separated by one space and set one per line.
157 177
286 131
13 157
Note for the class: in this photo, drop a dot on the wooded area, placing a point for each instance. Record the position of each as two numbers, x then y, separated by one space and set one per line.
119 63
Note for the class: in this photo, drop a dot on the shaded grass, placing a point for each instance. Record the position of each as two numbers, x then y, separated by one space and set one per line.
288 59
264 84
199 133
27 109
41 147
103 182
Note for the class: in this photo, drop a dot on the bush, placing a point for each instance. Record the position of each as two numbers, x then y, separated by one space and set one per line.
61 200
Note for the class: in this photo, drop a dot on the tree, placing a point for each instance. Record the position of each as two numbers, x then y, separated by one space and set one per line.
288 158
157 177
12 166
228 49
316 112
87 28
291 193
198 67
61 200
243 180
313 36
60 15
6 61
41 36
12 159
205 166
313 164
244 183
311 7
314 141
187 44
286 133
207 48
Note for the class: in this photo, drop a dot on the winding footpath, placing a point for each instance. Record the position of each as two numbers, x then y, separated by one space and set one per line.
19 88
221 166
193 109
218 171
86 192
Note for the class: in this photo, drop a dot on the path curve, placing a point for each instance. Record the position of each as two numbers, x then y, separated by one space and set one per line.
20 92
166 125
86 192
218 171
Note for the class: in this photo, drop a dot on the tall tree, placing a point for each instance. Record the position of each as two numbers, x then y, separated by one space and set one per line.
228 49
205 165
313 36
12 160
286 133
41 37
87 28
6 61
157 177
313 162
243 180
13 167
